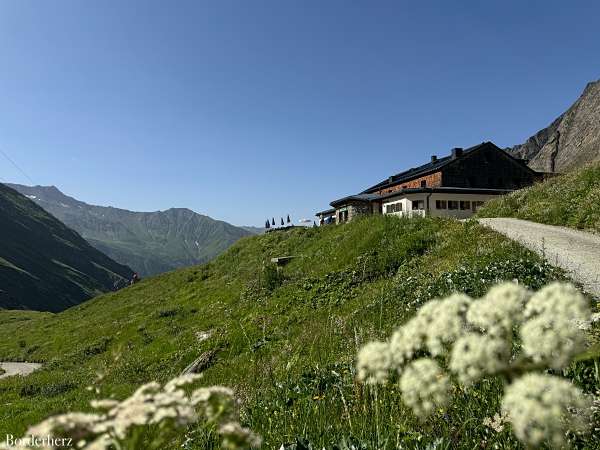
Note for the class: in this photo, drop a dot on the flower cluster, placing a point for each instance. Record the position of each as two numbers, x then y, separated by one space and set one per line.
543 407
552 334
169 407
500 310
475 355
424 386
468 339
497 422
374 362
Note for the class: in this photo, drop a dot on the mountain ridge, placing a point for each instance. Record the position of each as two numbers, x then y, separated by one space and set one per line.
150 242
44 265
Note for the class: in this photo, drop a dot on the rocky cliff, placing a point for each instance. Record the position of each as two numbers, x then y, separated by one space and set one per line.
571 141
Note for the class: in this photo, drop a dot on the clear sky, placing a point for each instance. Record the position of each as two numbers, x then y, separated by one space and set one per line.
244 110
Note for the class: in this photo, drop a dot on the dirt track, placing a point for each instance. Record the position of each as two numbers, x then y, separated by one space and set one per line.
575 251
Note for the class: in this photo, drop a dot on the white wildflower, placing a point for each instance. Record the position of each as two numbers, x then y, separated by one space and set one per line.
104 404
500 310
558 300
447 322
539 409
170 407
407 341
497 422
553 340
235 436
102 442
182 380
217 402
474 356
80 423
424 386
374 362
553 334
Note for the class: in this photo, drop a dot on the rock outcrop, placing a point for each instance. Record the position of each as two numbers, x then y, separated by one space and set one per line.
571 141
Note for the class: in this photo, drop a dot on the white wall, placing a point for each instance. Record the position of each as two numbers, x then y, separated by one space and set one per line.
407 199
458 213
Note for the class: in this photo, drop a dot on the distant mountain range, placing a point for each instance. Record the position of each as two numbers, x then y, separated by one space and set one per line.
571 141
148 242
46 266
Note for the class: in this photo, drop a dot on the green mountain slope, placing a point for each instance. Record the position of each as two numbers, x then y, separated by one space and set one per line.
284 339
148 242
572 200
43 264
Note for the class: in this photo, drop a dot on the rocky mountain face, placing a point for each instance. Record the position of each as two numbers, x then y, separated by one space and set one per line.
46 266
571 141
148 242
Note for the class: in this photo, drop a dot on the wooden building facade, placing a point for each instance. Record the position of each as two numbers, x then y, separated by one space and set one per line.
469 177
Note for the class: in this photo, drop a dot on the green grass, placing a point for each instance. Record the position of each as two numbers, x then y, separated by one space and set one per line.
572 200
285 340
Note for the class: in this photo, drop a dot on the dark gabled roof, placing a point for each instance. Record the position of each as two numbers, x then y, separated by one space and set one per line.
358 197
430 167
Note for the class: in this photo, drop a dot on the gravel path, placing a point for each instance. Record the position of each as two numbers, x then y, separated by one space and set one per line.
575 251
18 368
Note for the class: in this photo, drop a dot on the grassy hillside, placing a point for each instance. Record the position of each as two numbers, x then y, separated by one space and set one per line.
285 341
148 242
44 265
572 200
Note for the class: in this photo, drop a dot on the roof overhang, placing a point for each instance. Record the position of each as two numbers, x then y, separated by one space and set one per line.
358 198
446 190
327 212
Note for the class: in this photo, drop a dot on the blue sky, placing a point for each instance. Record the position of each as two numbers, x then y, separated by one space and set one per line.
244 110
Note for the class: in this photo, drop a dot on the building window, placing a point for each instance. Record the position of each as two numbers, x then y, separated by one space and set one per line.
418 204
343 216
440 204
476 205
452 204
423 183
393 208
465 204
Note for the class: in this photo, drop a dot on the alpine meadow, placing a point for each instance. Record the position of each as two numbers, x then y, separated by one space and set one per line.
284 339
316 225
